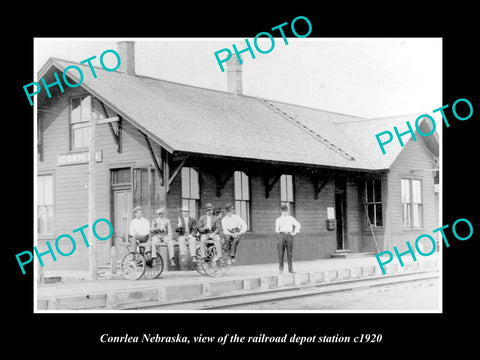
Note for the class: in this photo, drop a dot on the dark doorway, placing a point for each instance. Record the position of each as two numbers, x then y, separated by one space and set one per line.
340 212
340 217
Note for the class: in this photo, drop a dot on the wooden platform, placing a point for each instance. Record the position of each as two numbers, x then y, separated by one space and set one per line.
346 254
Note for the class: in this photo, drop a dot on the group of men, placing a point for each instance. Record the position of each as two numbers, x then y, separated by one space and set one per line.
210 227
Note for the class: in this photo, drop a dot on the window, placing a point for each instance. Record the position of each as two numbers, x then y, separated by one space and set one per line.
406 202
45 205
81 109
412 203
121 176
143 189
286 192
417 203
242 196
373 195
190 190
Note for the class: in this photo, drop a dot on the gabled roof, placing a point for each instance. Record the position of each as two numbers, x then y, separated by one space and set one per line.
190 119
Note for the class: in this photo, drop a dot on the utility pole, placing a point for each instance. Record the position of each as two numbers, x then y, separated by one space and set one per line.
92 216
92 250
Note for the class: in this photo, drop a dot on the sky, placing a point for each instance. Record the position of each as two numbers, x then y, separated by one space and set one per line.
369 77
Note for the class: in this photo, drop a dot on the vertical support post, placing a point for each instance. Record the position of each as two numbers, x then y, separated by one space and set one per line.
150 213
113 254
92 250
164 188
113 258
370 224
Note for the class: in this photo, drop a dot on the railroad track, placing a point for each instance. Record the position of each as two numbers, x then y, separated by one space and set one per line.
239 298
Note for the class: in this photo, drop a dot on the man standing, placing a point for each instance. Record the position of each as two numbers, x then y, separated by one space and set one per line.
162 232
286 227
209 230
233 226
186 228
139 228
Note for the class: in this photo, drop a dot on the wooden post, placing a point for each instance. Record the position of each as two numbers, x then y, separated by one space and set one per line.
150 195
370 224
114 260
92 216
92 250
113 256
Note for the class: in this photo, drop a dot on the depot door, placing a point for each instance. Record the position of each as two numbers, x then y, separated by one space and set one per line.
122 214
340 212
122 211
121 206
131 188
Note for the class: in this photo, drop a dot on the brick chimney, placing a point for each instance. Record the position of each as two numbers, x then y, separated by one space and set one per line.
234 76
126 50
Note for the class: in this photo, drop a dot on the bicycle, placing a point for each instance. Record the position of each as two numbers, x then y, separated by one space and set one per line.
211 264
139 263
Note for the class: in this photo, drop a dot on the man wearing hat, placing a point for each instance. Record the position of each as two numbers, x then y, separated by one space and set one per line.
162 232
139 228
286 227
186 228
218 212
233 226
209 229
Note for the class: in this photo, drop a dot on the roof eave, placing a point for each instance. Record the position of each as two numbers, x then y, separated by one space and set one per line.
279 162
52 63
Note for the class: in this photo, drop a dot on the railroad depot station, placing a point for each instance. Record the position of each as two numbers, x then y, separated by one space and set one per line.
178 145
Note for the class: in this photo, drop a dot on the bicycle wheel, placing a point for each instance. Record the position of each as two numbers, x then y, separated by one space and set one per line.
212 264
154 269
133 266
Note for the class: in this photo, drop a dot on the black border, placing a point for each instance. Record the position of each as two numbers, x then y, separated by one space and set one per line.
407 333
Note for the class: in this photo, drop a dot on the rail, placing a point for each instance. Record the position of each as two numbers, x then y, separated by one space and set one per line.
243 297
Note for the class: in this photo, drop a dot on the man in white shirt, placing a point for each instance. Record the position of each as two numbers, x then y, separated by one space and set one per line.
139 228
233 227
286 227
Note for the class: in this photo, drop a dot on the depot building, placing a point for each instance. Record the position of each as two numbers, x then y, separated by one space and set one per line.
177 145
